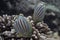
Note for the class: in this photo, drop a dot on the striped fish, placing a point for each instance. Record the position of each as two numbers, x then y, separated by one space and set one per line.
22 5
41 10
26 5
23 27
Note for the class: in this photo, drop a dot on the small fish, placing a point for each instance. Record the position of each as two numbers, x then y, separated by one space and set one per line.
26 5
40 11
23 27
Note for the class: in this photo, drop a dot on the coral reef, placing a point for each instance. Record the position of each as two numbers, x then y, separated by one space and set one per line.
41 31
29 20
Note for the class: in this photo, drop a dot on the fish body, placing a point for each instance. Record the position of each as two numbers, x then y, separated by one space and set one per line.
26 5
23 27
40 11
